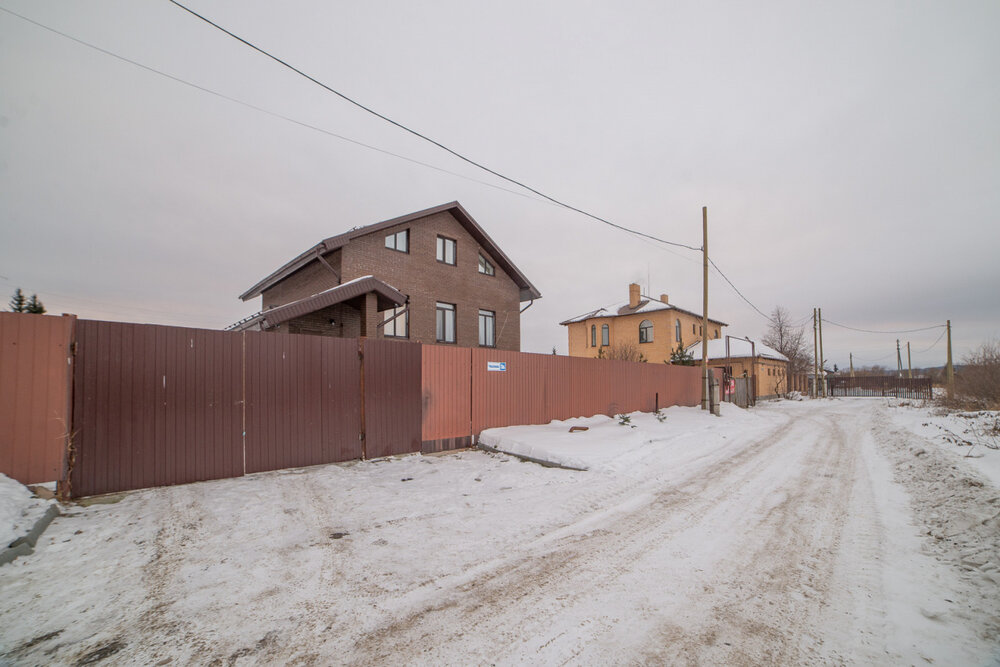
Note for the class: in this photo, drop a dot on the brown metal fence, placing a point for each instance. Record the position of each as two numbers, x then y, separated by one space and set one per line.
880 386
392 412
468 390
156 405
303 401
537 388
446 396
36 368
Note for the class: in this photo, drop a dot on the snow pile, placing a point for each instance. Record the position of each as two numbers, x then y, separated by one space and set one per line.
19 509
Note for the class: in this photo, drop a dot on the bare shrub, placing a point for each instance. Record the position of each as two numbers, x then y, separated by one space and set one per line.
622 352
977 384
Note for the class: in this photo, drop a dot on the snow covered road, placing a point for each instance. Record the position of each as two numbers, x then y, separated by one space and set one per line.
814 532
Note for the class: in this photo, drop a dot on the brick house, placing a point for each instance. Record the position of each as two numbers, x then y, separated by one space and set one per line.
655 327
434 276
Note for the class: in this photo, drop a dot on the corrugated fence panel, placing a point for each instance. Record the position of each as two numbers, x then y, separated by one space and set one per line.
303 405
154 405
537 388
35 376
392 397
446 392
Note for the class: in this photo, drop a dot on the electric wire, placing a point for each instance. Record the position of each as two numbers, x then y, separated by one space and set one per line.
870 361
901 331
425 137
547 198
266 111
726 278
645 238
934 344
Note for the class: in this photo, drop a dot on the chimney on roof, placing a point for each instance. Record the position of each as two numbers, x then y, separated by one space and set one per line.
633 295
663 298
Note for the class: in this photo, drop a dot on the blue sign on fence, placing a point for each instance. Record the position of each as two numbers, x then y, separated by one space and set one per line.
496 365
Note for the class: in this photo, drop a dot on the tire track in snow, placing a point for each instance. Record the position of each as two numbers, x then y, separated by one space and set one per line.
544 579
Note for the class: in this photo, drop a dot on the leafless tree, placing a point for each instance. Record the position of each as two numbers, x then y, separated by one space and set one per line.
789 340
622 352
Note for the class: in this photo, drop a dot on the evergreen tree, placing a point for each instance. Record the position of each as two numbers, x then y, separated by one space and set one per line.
34 306
18 304
681 357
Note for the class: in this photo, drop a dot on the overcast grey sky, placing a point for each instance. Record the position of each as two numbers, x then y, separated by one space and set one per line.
848 153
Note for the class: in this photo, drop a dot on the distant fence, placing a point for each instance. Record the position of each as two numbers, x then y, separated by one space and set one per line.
150 405
880 386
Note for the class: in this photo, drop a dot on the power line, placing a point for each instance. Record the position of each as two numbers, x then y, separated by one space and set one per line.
261 109
476 164
869 361
645 238
901 331
425 137
943 332
714 265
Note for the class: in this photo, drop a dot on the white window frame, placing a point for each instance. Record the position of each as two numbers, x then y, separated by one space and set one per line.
487 328
486 266
444 245
392 241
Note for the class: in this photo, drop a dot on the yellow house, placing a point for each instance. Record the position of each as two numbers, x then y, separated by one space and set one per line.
654 328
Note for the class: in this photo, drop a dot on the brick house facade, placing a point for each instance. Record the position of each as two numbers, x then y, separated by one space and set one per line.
436 270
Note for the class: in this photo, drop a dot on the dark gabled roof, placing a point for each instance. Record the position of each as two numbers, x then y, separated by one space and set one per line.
388 297
528 291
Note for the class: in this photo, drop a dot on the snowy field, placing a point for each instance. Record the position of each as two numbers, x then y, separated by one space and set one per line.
816 532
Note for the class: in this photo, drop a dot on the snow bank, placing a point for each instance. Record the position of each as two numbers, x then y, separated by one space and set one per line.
966 436
606 445
19 509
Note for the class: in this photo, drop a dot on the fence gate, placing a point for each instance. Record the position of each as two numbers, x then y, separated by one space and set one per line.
741 392
392 414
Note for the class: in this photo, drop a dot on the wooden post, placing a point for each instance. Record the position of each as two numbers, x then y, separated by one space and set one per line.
852 364
819 315
815 391
949 370
704 313
909 362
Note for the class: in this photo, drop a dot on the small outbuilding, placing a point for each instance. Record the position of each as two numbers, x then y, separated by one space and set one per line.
742 357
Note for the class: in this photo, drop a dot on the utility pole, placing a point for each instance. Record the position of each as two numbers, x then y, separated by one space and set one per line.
705 404
819 315
899 361
949 370
909 362
815 391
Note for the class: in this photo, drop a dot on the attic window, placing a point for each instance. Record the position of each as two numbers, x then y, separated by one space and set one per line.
485 267
446 250
399 241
